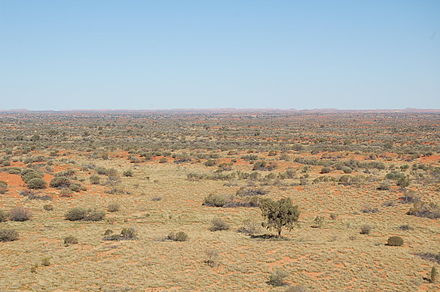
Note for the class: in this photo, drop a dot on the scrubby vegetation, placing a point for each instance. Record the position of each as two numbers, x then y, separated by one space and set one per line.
247 194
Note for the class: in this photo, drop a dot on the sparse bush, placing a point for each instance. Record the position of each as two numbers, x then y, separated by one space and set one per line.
218 224
36 183
3 187
128 173
126 234
249 227
20 214
366 229
243 192
318 222
113 207
210 162
325 170
370 210
395 241
179 236
424 209
3 216
45 262
213 200
212 257
94 180
60 182
8 235
77 214
69 240
48 207
277 278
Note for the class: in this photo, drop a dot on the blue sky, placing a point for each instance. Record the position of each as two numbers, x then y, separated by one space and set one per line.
215 54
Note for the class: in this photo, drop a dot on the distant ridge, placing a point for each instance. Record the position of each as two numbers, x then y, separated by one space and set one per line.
229 110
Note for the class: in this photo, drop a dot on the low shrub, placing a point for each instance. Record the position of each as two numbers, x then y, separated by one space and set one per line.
126 234
60 182
277 278
3 187
69 240
48 207
395 241
113 207
8 235
250 227
424 209
36 183
81 214
218 224
179 236
365 229
128 173
3 216
212 258
213 200
20 214
94 180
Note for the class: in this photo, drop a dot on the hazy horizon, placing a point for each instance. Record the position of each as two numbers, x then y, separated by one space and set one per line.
145 55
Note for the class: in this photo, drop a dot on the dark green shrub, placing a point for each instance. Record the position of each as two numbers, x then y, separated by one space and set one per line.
60 182
325 170
395 241
279 214
8 235
36 183
20 214
76 214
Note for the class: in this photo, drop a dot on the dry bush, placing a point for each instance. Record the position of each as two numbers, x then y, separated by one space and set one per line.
126 234
113 207
3 187
366 229
8 235
218 224
77 214
69 240
424 209
212 258
277 278
20 214
179 236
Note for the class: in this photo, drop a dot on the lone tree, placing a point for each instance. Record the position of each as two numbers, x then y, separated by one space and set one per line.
279 214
